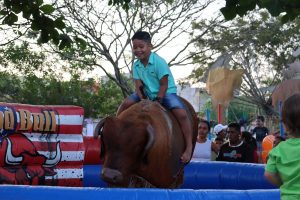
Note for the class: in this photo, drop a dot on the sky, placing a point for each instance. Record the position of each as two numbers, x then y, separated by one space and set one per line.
178 71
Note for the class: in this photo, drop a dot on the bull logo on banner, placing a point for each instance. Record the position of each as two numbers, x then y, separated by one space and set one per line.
20 161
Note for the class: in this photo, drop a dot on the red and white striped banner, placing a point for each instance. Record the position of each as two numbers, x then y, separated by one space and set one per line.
41 144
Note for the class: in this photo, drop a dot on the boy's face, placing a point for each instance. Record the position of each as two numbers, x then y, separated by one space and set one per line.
141 49
259 123
222 133
234 135
218 142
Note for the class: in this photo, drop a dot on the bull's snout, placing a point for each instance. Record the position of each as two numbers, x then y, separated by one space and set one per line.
112 175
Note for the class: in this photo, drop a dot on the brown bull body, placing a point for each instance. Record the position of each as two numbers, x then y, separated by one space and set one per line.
144 141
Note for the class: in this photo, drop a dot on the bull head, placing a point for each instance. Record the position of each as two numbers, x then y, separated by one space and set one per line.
17 160
113 171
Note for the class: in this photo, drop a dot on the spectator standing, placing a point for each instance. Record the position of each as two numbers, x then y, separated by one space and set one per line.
236 150
283 166
204 146
219 141
260 132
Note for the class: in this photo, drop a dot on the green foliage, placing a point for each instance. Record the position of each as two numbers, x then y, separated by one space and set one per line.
97 101
236 110
126 3
47 9
109 98
196 73
22 58
123 3
290 8
35 83
257 43
41 19
203 111
10 86
258 36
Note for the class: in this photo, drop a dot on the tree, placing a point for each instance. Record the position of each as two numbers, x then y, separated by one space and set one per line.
19 58
41 17
97 101
10 87
241 7
37 16
108 30
40 85
289 8
109 98
259 44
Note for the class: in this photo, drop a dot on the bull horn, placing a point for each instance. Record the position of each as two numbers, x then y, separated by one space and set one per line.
150 142
9 157
98 129
56 159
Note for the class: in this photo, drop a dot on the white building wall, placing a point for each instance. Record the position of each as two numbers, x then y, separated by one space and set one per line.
192 95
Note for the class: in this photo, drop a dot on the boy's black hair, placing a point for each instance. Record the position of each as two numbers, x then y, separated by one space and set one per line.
236 126
260 117
291 113
142 35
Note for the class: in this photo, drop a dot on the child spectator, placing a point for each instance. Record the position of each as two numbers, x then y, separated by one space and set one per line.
283 166
219 141
260 132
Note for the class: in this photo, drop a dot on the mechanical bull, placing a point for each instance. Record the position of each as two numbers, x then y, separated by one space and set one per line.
144 143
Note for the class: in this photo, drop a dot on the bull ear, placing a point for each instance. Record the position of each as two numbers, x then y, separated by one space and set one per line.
150 141
99 127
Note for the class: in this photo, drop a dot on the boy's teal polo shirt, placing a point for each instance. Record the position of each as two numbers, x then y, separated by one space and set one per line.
151 74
